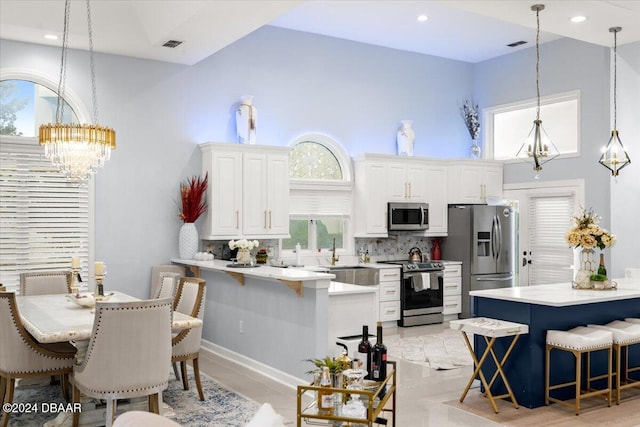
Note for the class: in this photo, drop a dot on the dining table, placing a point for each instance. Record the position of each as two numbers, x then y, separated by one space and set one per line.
58 318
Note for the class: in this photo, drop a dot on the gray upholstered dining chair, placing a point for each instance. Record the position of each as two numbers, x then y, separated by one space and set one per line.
22 357
189 300
127 355
163 268
45 282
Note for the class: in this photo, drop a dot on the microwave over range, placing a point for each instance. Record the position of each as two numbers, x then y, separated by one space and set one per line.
408 216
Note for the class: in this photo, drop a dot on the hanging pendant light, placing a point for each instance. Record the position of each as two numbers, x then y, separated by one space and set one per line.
538 147
614 156
77 150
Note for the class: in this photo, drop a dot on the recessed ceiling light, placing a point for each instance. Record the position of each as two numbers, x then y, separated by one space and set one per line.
578 18
422 18
51 37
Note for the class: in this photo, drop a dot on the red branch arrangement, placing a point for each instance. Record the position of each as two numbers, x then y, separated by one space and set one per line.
192 195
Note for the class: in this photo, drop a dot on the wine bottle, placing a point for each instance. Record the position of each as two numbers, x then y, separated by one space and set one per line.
325 398
379 358
364 351
601 269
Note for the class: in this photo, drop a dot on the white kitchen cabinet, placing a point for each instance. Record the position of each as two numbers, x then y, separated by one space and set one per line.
452 291
248 192
436 195
406 182
371 197
474 181
389 294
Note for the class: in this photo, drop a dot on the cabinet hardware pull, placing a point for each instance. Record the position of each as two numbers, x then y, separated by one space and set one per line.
265 219
451 286
450 305
390 311
269 219
406 191
237 219
409 190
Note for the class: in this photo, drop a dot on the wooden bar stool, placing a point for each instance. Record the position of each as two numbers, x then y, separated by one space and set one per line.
624 335
578 341
494 329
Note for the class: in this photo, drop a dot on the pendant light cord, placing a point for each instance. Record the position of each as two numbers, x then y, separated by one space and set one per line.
93 68
615 79
63 64
538 62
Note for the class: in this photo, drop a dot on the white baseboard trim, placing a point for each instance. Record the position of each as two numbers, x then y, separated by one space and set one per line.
283 378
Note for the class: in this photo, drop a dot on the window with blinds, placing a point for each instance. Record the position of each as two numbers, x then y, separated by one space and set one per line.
44 220
549 220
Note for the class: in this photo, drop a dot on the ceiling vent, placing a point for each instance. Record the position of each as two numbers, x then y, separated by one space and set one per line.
172 43
514 44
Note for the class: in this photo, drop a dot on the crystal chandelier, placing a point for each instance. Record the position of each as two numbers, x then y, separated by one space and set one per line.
77 150
538 147
614 156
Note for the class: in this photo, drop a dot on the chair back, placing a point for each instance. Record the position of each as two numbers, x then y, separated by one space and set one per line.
129 350
19 352
632 273
189 300
168 285
45 282
155 275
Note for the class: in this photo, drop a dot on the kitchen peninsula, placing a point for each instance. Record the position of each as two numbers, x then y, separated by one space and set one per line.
270 318
545 307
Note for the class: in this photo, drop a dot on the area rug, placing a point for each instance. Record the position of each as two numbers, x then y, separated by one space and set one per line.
445 350
221 407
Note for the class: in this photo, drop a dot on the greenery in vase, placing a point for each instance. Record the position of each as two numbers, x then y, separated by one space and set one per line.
587 234
192 198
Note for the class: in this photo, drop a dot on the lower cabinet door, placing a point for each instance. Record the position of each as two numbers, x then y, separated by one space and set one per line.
389 311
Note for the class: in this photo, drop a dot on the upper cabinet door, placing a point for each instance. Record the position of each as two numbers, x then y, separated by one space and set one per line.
416 175
254 200
224 193
398 185
278 194
436 189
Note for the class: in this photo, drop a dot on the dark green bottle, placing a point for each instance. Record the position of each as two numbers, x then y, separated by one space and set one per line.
601 269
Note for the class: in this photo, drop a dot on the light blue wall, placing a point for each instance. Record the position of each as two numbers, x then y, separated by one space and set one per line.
301 82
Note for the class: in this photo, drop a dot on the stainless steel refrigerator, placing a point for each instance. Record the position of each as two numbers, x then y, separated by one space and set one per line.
483 238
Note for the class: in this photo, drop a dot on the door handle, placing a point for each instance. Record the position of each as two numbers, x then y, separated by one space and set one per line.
495 279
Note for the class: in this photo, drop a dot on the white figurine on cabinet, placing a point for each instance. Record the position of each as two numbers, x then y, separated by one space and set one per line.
405 138
246 119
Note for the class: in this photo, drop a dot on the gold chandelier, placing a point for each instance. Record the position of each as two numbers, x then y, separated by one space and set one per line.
614 156
538 148
77 150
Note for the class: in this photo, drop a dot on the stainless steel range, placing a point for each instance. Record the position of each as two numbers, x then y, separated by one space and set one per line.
421 289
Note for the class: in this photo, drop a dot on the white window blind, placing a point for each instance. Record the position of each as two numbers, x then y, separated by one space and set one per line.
44 220
549 220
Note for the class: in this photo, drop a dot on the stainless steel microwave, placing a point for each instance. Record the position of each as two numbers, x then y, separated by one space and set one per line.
408 216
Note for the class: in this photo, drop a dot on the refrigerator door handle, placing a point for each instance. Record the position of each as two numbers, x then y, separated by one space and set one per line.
494 279
499 227
494 231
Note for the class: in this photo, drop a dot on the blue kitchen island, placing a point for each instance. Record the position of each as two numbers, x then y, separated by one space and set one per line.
546 307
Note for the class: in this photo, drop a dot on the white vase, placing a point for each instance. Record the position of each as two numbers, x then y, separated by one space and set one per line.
188 241
243 256
246 120
475 151
405 138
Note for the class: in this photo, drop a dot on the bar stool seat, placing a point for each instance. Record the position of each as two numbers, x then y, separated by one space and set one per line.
494 329
578 341
624 334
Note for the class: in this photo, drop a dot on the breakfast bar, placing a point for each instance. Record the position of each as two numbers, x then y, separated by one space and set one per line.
545 307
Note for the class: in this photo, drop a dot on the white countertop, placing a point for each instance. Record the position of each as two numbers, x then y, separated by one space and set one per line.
339 288
260 272
562 294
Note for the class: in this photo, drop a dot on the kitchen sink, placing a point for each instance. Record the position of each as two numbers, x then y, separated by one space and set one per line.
356 275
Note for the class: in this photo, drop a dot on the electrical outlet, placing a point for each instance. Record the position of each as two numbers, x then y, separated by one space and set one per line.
242 326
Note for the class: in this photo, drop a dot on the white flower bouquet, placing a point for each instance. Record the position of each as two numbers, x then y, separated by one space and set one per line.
243 244
587 234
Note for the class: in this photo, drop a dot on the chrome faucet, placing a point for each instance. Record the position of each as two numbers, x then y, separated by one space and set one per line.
334 258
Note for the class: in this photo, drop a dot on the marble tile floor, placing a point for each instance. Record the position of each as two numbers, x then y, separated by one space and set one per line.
422 393
421 390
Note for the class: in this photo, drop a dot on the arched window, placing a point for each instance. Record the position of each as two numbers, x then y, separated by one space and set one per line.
45 219
320 202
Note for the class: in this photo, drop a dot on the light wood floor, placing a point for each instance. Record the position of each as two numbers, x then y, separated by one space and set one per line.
430 398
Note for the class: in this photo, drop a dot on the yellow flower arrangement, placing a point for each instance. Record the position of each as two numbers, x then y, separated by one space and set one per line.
587 234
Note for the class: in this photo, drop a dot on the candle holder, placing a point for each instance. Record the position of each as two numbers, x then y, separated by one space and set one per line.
75 287
99 291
